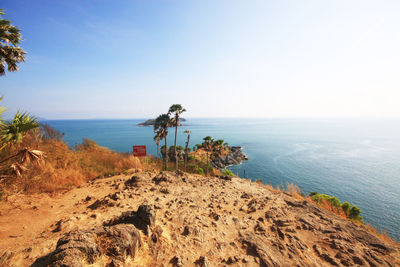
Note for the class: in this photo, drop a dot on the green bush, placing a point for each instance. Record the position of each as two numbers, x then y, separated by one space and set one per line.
200 171
227 172
353 212
346 207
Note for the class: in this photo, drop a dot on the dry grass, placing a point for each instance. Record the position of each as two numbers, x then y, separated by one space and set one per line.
294 191
64 168
382 235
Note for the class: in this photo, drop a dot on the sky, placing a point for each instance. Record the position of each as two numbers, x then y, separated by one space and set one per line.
133 59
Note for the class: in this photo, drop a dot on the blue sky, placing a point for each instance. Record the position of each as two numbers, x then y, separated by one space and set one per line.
132 59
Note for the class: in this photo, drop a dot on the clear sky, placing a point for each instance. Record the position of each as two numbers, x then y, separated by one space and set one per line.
132 59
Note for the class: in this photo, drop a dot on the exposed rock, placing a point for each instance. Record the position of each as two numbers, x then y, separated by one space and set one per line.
203 262
203 221
138 180
234 157
267 254
144 217
83 247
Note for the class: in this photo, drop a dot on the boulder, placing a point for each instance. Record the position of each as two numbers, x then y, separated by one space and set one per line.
143 218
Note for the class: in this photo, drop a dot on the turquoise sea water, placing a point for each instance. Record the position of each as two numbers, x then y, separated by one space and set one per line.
356 160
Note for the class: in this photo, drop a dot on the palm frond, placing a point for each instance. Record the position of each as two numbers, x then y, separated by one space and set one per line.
18 168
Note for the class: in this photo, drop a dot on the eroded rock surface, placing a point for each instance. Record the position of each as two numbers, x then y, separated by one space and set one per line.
201 221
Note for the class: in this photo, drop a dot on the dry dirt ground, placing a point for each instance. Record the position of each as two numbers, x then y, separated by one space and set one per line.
184 220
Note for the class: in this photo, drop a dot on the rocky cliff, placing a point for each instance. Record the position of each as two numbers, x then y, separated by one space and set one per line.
168 219
234 157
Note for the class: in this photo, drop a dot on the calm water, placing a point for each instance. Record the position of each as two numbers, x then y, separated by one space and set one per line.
356 160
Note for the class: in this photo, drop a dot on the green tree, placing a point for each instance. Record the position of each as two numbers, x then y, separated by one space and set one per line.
217 148
207 144
10 52
186 146
176 110
161 129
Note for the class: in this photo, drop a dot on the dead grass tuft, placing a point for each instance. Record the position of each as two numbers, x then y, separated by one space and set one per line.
295 191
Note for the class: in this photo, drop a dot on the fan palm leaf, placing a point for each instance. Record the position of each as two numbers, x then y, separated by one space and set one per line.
10 52
13 131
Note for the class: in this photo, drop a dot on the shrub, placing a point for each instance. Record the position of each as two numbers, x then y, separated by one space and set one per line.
200 171
351 212
227 172
355 213
198 146
346 207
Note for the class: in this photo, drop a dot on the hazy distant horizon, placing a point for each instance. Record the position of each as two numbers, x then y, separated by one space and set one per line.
267 118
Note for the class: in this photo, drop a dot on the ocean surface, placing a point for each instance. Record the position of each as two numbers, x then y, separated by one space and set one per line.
355 160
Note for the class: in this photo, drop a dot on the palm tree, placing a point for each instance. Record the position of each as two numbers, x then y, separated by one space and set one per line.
176 110
157 141
207 145
217 148
186 146
10 52
161 128
12 132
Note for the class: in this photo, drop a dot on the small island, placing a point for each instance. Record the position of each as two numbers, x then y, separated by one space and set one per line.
150 122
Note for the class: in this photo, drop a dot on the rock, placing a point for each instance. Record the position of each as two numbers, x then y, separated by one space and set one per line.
234 157
74 248
186 230
164 190
176 261
138 180
203 262
144 217
268 255
162 177
119 240
82 247
157 232
358 260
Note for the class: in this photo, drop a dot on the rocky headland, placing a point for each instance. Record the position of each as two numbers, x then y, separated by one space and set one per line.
235 156
180 219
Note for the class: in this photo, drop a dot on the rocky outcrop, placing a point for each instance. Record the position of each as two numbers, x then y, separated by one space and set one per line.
117 239
234 157
179 219
82 247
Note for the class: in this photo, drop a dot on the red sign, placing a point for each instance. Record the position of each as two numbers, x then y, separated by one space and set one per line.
139 151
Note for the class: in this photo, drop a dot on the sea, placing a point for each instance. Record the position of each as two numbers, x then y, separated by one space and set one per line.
356 160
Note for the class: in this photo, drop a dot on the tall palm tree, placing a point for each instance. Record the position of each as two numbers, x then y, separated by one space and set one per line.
207 145
176 110
161 128
10 52
186 146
